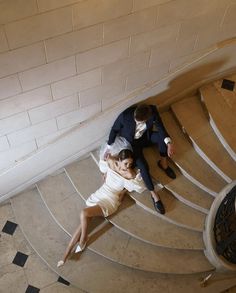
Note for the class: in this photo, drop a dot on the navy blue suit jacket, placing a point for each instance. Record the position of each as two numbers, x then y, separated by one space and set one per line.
125 125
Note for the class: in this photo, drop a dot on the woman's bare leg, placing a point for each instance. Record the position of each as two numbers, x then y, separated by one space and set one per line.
74 239
85 217
80 234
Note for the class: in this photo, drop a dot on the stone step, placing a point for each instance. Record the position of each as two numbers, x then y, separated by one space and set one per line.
190 163
107 240
89 271
221 110
62 200
203 137
182 188
131 217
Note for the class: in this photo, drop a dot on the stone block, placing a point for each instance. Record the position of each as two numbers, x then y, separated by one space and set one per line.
140 4
130 25
48 73
3 41
25 101
78 116
14 123
45 5
9 86
13 155
22 59
43 140
102 55
53 109
76 84
11 10
4 145
155 38
176 11
139 79
111 101
229 18
91 12
125 66
104 91
37 28
30 133
75 42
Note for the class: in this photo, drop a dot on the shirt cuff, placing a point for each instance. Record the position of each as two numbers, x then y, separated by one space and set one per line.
167 140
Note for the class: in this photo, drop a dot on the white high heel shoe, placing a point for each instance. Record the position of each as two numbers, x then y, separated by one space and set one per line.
79 248
60 263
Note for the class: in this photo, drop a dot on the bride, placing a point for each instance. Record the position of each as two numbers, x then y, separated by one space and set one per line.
119 176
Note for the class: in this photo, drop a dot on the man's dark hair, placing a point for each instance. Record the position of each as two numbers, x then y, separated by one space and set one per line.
143 112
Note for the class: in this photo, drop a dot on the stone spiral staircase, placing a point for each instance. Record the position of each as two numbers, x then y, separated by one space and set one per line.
138 250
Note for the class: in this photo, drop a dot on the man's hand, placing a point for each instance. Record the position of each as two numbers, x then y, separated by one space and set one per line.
170 149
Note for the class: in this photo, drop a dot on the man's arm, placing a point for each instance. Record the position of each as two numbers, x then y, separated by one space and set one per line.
118 124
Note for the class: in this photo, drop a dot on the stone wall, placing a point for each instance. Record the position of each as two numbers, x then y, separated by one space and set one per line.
63 61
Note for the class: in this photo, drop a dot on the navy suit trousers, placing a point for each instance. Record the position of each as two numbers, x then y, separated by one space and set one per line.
140 161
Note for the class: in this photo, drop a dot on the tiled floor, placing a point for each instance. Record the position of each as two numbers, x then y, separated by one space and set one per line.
21 270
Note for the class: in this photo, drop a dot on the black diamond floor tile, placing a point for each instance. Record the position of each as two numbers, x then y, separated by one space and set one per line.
9 227
32 289
63 281
20 259
228 84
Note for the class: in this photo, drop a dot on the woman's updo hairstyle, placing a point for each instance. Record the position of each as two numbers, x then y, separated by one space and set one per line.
125 154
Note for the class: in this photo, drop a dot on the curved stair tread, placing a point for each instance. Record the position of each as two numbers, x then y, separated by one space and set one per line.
38 224
131 218
199 130
174 209
222 115
181 187
109 241
189 161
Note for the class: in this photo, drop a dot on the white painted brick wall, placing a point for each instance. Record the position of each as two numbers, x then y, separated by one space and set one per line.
21 59
104 91
14 123
3 40
53 51
4 145
9 86
27 134
76 83
53 109
11 10
75 42
102 55
48 73
89 12
39 27
130 25
14 155
78 116
25 101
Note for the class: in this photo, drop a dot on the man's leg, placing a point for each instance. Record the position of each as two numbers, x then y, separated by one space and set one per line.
142 164
163 163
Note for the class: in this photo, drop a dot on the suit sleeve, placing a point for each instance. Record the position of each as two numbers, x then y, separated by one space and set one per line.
159 123
115 130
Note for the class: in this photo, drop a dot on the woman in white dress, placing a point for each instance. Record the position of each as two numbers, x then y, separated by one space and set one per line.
119 177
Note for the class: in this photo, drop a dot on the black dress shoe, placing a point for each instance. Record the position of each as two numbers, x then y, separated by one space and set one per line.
169 172
158 205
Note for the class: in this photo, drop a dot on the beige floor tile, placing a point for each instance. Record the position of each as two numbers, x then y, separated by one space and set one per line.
6 212
12 279
21 243
37 273
60 288
7 249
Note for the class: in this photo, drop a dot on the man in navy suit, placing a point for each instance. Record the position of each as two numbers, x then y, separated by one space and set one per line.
142 126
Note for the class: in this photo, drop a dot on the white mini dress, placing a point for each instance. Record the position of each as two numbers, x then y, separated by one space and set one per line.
107 196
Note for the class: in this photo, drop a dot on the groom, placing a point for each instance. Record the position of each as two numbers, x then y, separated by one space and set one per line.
142 126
